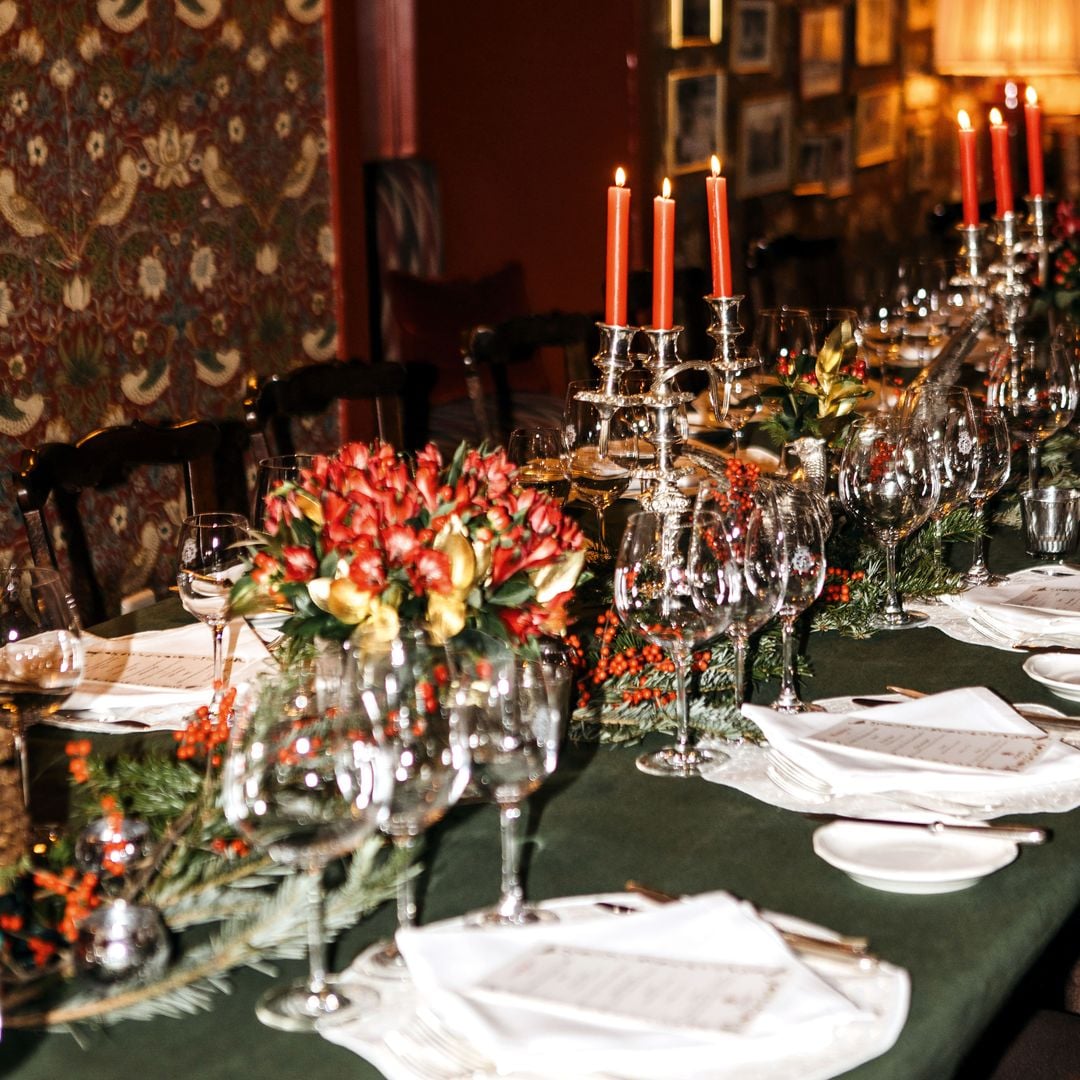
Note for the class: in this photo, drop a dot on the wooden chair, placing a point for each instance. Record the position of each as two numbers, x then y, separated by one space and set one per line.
58 473
274 402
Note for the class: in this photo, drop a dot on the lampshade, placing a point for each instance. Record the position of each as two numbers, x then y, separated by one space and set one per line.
1021 38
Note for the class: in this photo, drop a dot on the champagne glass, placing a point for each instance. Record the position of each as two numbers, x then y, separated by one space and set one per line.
41 653
284 789
993 454
671 587
889 485
211 560
540 459
415 706
1034 386
600 477
804 547
270 475
514 715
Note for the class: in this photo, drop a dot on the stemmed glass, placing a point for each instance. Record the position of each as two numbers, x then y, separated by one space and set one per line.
599 478
515 715
889 485
307 783
212 558
883 332
804 547
742 402
825 319
1034 386
539 455
416 708
923 297
993 453
41 652
671 586
270 474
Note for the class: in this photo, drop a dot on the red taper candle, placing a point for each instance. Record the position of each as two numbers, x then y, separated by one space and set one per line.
663 289
1033 127
618 250
999 146
719 233
969 182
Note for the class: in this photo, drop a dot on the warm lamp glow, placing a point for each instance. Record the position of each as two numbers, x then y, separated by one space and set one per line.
665 188
963 120
714 164
620 177
1022 38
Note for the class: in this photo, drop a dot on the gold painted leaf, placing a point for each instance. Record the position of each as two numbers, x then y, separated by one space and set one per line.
220 181
299 177
18 211
116 202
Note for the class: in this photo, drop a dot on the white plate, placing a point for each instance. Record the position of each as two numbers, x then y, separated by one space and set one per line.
1059 672
909 860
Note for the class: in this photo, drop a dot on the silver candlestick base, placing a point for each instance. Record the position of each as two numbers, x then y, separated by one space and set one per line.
970 273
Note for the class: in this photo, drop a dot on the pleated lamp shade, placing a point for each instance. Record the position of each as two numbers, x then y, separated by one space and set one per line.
1019 38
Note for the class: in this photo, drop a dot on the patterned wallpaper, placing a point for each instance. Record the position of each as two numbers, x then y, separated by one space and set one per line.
165 229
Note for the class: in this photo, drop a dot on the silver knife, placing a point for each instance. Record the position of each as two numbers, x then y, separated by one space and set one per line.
1018 834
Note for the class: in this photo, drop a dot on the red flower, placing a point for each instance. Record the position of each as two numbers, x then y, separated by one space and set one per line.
300 564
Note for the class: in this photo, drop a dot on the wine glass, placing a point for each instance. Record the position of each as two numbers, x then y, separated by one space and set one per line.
307 783
883 333
741 402
1034 386
513 722
922 293
993 452
824 320
804 548
671 587
41 653
541 462
889 485
603 449
416 708
757 571
212 558
781 336
270 474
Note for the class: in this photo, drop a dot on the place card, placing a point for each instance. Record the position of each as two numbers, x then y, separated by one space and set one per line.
657 991
995 751
1048 597
156 671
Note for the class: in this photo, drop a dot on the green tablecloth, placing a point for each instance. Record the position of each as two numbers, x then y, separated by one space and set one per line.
599 822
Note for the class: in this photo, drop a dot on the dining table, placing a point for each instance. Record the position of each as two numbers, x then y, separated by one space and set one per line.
978 959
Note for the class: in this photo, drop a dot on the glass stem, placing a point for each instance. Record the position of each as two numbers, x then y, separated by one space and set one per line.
406 886
316 932
1033 465
682 732
218 629
512 897
894 610
18 734
938 527
740 670
978 568
788 697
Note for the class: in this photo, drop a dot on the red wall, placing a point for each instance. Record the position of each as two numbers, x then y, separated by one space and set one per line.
524 108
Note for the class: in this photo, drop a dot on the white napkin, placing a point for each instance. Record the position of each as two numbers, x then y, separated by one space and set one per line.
1000 610
850 771
162 667
447 961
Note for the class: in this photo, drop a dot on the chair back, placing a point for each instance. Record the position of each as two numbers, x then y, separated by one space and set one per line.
796 271
274 402
56 475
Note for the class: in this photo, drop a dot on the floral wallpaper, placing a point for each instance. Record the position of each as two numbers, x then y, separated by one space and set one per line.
165 229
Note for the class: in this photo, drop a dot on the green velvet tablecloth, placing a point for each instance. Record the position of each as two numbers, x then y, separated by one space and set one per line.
599 822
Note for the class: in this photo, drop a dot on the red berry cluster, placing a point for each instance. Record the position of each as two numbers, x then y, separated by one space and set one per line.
80 898
838 581
884 453
206 733
114 847
78 750
234 848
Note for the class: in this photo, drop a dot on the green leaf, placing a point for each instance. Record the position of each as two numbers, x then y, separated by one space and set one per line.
513 593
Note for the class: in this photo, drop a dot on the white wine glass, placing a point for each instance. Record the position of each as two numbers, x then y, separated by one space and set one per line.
270 474
212 558
541 460
41 653
671 587
994 460
889 485
306 783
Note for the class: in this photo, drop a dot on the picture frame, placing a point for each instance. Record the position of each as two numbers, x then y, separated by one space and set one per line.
919 152
753 37
695 119
877 125
920 14
875 32
821 51
839 170
696 22
811 165
765 146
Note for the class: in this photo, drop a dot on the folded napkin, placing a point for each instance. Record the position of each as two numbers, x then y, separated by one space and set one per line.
162 667
850 770
451 964
1030 606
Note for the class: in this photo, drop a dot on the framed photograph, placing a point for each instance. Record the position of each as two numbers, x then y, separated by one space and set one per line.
920 157
811 165
753 36
821 51
695 22
838 162
765 146
875 35
877 125
695 119
920 14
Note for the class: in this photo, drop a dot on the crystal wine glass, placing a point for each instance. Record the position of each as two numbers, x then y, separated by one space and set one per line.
212 556
270 474
416 706
283 791
824 320
1034 386
540 459
889 485
41 653
671 587
781 336
922 294
883 332
993 454
804 547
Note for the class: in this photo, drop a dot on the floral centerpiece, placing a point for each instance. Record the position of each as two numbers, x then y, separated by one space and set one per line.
818 394
1063 288
371 538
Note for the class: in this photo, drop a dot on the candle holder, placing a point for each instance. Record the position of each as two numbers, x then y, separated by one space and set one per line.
1037 242
726 365
1010 290
970 269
